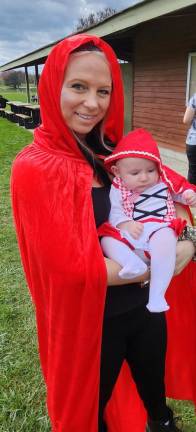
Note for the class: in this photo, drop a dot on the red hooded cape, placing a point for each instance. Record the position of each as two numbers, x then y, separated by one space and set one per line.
65 270
139 143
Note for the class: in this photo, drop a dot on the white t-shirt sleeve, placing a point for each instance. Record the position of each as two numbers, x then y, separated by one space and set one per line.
117 214
192 102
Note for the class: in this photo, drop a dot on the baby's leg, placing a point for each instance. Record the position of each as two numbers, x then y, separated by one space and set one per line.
162 246
118 251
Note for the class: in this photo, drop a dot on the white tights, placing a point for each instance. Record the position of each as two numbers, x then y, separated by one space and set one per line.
162 248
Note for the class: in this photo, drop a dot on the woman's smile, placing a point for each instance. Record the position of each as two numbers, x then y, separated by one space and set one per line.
86 116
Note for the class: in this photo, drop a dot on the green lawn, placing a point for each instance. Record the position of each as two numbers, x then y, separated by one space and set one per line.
15 95
22 399
22 394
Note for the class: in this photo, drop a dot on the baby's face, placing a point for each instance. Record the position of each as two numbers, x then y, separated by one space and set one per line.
138 174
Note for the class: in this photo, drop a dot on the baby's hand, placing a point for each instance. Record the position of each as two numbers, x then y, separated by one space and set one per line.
190 197
135 229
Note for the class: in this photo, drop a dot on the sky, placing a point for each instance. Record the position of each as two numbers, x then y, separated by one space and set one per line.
26 25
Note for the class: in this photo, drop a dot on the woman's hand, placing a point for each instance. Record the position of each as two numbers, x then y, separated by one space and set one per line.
113 278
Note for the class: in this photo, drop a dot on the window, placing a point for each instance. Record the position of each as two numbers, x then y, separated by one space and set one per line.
191 76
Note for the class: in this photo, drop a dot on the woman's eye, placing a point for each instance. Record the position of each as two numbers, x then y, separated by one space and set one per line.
78 86
104 92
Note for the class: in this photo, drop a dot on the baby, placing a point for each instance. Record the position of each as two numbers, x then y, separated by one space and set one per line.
143 213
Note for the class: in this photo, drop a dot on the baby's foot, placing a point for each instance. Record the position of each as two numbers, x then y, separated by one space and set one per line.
158 305
129 273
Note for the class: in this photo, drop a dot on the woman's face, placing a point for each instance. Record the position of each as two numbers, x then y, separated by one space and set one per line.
86 91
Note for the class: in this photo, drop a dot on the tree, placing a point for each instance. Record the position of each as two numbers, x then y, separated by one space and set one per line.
94 18
13 78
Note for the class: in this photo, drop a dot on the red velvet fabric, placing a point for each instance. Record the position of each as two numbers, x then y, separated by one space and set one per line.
51 197
181 319
65 270
180 376
180 362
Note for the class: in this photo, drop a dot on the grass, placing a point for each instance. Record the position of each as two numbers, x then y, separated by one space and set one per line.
22 396
16 95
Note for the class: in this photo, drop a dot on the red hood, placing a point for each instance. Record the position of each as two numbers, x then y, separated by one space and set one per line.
53 132
52 203
136 144
140 144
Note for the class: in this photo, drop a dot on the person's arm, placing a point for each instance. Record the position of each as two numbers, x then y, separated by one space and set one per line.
184 254
188 197
188 116
117 214
190 111
113 278
118 217
185 249
134 228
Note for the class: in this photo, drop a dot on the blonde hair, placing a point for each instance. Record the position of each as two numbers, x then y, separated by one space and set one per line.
97 132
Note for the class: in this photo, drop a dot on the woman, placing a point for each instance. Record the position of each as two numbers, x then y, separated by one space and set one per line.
190 120
55 186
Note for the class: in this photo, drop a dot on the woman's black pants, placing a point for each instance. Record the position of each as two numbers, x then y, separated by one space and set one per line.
139 337
191 155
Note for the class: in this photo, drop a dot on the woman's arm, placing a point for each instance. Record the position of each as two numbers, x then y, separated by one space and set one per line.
182 213
184 253
188 116
113 278
185 249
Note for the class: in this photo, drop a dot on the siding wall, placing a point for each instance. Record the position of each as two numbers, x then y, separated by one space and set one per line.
160 74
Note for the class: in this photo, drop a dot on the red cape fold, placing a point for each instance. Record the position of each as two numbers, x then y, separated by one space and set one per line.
180 362
64 266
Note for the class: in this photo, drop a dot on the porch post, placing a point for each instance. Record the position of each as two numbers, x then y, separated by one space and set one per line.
37 79
27 82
